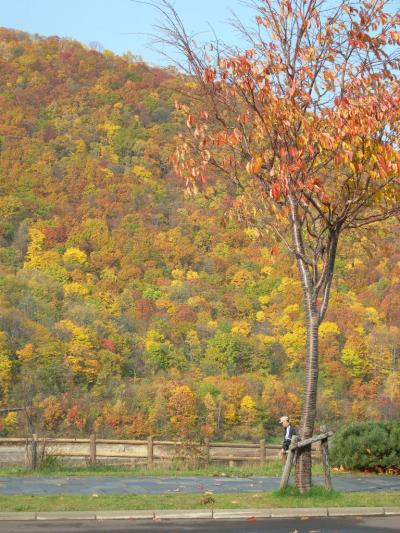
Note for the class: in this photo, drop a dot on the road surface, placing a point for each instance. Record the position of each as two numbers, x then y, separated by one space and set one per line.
273 525
36 485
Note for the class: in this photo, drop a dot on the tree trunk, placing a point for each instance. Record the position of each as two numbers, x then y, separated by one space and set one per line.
303 463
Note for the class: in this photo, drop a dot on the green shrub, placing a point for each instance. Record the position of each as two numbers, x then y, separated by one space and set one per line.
367 445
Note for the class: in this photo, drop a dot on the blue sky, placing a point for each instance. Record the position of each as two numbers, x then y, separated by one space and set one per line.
117 24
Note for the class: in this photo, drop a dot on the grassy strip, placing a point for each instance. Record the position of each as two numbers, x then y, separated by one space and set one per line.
272 468
317 497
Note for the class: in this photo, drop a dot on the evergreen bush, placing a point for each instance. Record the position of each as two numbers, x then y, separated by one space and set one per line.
367 445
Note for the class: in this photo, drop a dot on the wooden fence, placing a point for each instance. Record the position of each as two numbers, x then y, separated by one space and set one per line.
134 452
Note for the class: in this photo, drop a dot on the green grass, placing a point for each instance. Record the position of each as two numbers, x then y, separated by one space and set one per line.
272 468
317 497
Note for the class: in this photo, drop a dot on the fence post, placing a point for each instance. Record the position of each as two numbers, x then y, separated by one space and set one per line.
263 456
33 457
150 455
289 462
92 449
207 450
325 460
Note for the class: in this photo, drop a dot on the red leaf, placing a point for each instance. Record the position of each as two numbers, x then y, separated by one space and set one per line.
209 74
324 199
275 191
220 139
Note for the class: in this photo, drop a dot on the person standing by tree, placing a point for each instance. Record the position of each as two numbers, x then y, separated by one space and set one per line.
288 432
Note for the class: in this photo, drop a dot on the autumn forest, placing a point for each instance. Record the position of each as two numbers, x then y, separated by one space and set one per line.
127 306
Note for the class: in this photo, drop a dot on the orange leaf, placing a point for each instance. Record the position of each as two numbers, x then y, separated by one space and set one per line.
274 249
329 75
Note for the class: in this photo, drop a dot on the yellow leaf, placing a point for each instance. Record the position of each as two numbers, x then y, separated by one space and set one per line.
254 165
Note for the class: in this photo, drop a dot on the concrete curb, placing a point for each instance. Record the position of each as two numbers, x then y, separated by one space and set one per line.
356 511
203 514
67 515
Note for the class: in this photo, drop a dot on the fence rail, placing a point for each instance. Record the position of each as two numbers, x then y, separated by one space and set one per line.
149 451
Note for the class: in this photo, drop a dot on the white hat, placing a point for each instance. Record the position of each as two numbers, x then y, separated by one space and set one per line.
283 419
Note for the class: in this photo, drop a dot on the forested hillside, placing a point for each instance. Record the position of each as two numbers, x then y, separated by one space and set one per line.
128 308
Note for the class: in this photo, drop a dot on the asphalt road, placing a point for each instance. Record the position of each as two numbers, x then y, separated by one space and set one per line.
37 485
273 525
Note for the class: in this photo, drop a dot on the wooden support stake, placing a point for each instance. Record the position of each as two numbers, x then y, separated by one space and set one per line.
289 462
92 447
317 449
316 438
263 455
325 463
150 452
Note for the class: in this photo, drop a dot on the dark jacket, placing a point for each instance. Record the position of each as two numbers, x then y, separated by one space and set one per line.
287 436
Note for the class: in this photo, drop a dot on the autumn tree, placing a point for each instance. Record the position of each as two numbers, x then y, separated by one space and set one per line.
182 409
301 128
